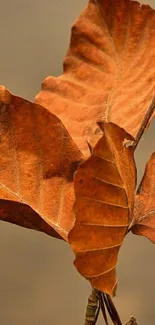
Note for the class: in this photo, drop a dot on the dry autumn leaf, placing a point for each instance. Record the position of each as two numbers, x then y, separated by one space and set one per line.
108 78
22 215
144 218
104 190
109 70
37 162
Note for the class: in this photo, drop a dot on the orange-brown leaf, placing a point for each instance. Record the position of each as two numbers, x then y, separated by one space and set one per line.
144 218
104 189
22 215
109 70
37 162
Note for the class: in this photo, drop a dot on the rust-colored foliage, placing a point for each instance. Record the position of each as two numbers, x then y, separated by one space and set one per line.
37 162
104 190
109 77
109 70
144 219
22 215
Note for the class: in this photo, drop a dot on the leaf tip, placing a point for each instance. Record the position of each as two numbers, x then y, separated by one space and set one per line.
5 95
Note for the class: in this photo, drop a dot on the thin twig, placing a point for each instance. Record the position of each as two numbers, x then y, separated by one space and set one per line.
112 310
103 307
97 313
98 301
144 122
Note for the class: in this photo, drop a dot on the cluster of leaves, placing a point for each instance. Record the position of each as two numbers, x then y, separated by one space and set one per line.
67 161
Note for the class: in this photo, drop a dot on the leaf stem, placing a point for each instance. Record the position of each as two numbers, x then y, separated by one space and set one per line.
144 122
98 301
106 301
100 295
112 309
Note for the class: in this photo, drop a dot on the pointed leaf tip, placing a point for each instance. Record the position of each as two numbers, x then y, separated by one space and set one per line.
144 214
5 95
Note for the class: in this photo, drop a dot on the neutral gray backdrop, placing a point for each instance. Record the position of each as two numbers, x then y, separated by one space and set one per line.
38 283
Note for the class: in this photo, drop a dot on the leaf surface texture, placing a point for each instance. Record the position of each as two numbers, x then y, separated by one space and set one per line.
109 70
37 162
104 189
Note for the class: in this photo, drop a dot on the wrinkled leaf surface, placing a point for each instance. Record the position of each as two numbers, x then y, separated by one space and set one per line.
37 162
104 189
109 70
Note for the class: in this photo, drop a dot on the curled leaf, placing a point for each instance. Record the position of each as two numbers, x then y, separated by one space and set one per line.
104 190
109 70
144 216
37 162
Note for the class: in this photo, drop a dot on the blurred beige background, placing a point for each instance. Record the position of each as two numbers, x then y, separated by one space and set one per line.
38 283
